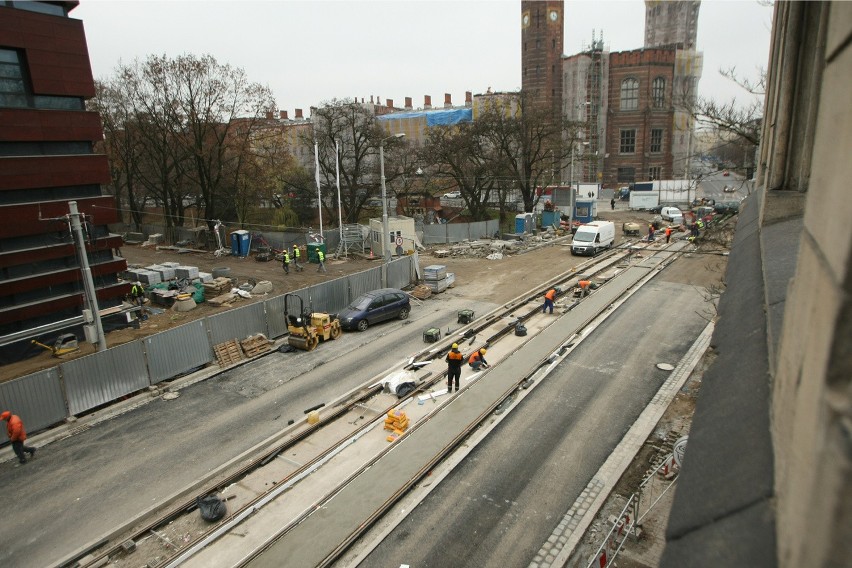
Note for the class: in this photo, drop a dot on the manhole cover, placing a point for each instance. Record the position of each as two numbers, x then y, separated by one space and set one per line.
665 367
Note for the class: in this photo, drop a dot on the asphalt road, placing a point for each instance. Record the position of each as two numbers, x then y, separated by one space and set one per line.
84 486
713 186
504 500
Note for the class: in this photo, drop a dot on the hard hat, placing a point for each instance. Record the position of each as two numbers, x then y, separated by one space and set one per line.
482 351
455 345
6 415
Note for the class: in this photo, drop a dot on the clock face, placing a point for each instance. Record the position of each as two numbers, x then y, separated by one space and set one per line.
554 15
526 19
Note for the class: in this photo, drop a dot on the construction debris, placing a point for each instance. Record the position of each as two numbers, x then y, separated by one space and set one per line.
421 292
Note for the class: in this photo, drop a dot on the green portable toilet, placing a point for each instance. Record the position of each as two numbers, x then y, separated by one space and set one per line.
313 249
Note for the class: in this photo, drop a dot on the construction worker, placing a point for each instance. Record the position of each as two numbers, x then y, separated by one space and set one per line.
285 263
297 254
138 294
321 257
668 234
454 361
17 435
584 287
477 360
548 300
651 232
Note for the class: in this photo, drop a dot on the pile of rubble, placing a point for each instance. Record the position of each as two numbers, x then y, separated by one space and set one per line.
494 249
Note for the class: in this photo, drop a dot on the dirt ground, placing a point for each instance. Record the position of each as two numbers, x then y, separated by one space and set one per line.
489 280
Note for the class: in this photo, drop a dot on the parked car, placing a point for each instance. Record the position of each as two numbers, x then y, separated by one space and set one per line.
623 194
452 195
729 189
374 307
726 173
373 202
727 207
657 208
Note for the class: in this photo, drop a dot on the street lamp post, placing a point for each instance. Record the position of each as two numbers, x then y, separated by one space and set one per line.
386 244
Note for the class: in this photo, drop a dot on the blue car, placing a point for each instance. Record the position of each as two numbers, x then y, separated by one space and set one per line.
374 307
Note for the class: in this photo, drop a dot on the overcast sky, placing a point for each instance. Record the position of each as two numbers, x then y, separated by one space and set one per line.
308 52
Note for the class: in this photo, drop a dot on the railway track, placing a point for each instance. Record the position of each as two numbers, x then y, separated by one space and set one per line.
334 446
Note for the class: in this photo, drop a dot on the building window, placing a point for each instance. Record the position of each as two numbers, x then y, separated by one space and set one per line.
12 90
538 44
654 172
628 141
656 140
658 92
41 7
626 175
553 43
629 94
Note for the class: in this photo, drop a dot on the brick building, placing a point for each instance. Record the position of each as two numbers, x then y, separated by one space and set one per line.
542 32
640 116
46 160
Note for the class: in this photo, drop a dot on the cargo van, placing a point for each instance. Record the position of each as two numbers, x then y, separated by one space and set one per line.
593 237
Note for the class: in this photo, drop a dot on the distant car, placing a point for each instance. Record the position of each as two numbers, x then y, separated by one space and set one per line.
729 189
452 195
726 173
660 207
624 194
374 307
373 202
673 214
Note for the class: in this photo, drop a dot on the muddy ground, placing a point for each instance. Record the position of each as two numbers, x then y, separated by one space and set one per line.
495 281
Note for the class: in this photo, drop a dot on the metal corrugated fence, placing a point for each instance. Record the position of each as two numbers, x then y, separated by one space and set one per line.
105 376
177 351
237 323
36 398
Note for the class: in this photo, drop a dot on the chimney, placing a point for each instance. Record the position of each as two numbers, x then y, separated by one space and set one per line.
448 100
390 103
269 115
298 113
371 99
408 105
427 102
283 115
468 99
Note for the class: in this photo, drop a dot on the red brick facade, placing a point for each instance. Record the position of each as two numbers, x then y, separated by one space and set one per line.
632 109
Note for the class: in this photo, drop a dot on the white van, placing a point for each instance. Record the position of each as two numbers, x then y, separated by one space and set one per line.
593 237
672 214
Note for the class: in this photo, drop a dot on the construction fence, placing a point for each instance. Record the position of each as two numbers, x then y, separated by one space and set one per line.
459 232
49 397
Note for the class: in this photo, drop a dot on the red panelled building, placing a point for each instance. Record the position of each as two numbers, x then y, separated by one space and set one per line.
46 160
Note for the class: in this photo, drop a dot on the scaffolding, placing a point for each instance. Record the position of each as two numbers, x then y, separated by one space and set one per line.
352 238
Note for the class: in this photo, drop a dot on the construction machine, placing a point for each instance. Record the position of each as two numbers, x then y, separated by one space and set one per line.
306 328
64 344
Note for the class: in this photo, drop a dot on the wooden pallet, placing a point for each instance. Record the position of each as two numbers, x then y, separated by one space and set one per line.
228 353
255 345
421 292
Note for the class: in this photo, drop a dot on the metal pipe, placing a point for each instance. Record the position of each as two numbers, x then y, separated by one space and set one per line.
88 283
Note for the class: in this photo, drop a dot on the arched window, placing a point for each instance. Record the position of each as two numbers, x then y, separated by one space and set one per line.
629 94
658 92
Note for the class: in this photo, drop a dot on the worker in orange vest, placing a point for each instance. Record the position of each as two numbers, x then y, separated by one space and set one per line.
477 360
584 287
548 300
17 435
454 361
668 234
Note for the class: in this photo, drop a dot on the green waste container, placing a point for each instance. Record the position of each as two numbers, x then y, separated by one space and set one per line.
313 250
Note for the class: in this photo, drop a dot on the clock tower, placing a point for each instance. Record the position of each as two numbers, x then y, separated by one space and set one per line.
542 30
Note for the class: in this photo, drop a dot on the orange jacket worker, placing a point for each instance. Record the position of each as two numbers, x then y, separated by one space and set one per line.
17 435
477 360
454 360
548 300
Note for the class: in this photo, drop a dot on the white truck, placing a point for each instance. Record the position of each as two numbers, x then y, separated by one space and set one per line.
593 237
644 199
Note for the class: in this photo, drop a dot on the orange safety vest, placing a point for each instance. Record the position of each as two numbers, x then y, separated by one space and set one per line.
455 356
668 231
584 283
551 294
475 357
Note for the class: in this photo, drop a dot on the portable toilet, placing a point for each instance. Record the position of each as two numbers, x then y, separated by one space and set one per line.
240 243
524 223
313 252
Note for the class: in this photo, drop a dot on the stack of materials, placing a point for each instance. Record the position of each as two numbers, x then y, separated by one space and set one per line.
421 292
435 277
255 345
397 422
187 272
219 291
